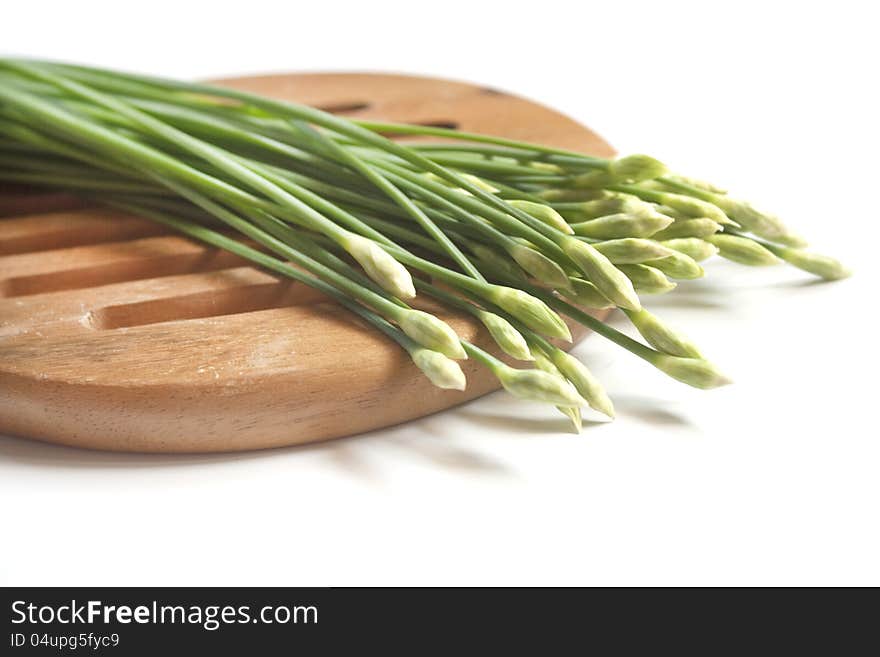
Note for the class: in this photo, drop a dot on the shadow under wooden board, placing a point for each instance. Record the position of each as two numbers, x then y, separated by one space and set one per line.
116 334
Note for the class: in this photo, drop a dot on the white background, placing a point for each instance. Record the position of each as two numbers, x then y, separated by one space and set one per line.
770 481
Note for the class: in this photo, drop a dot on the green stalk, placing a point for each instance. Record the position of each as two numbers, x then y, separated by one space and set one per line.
127 152
527 147
442 371
376 301
398 281
209 153
382 183
311 115
71 182
520 154
310 187
462 205
481 166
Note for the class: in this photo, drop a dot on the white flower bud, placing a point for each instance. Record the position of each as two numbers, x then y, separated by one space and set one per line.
609 280
536 385
544 214
695 372
760 223
623 225
567 195
694 207
820 265
693 247
662 337
699 184
635 168
495 260
743 250
585 383
620 204
584 293
506 336
441 370
573 413
431 333
632 250
700 227
380 266
531 311
678 265
539 266
647 280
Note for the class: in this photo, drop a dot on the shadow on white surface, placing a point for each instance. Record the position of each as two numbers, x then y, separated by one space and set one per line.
721 313
438 451
33 452
488 419
420 440
652 411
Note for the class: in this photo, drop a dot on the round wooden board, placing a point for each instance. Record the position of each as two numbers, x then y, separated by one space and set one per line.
117 335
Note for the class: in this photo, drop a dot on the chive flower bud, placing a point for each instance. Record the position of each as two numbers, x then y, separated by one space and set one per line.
647 280
585 383
662 337
604 206
694 247
506 336
532 312
476 181
495 260
820 265
609 280
791 239
566 195
695 372
536 385
743 250
539 266
629 169
678 265
595 179
632 250
760 223
636 168
623 225
694 207
573 413
701 227
442 371
544 364
431 332
546 167
544 214
699 184
584 293
380 266
671 212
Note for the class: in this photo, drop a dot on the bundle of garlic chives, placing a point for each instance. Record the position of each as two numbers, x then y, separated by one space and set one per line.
516 232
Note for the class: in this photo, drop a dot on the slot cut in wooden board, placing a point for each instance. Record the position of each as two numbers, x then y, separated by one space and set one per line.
117 334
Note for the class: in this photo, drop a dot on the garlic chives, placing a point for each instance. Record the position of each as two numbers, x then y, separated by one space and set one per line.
527 227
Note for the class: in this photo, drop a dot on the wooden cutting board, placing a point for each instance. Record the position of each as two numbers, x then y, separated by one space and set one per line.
116 334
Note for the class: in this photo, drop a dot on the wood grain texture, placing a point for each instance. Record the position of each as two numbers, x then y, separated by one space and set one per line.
117 335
